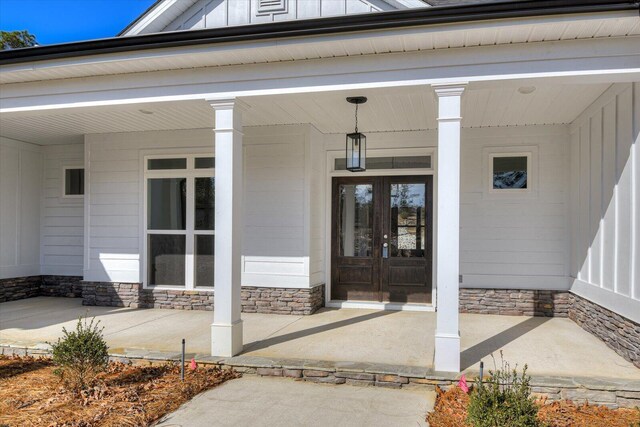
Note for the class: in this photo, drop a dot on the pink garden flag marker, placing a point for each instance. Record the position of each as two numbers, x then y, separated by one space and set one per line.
463 384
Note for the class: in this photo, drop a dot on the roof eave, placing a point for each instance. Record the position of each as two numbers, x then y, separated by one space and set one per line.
319 26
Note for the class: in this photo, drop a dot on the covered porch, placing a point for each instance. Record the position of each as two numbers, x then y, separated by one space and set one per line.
276 157
373 340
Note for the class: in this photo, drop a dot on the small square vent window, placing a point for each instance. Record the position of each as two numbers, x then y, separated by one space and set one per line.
266 7
73 182
510 172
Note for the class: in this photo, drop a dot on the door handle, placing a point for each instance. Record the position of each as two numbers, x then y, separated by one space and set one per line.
385 250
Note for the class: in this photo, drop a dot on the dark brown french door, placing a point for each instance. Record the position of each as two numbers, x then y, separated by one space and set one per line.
381 239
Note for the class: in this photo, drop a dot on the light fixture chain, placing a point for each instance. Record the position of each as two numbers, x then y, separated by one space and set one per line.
356 118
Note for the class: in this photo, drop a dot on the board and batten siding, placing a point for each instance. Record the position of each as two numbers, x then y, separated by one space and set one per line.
275 250
62 229
223 13
605 201
20 184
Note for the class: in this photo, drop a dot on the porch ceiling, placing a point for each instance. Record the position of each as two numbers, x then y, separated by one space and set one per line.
388 109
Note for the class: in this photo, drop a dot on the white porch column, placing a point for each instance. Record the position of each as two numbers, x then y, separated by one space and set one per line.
447 345
226 330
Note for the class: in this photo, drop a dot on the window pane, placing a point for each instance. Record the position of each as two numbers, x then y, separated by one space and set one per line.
510 172
166 203
73 182
408 220
159 164
356 220
205 163
205 204
204 260
400 162
166 259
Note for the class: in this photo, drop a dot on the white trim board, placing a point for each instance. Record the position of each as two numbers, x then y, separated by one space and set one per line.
380 305
619 304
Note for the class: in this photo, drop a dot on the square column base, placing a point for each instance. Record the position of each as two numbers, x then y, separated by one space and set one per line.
447 353
226 340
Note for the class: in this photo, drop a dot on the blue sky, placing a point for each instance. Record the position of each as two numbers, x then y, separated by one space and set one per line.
60 21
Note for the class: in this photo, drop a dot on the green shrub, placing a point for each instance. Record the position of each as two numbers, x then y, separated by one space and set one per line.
81 354
503 400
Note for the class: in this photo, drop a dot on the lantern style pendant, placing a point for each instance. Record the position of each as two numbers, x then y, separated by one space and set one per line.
356 142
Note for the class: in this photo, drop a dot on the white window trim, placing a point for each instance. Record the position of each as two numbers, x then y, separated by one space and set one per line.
530 152
63 193
190 173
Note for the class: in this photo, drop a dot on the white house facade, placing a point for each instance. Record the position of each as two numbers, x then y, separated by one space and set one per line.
199 160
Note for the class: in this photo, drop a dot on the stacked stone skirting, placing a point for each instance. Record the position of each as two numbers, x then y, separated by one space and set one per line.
254 300
619 333
282 300
61 286
19 288
32 286
515 302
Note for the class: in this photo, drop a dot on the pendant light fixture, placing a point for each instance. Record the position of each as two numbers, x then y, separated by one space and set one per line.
356 142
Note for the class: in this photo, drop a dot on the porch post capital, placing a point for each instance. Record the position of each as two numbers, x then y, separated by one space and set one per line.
449 89
228 104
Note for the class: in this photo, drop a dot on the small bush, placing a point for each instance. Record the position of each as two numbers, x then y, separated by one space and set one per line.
503 400
81 354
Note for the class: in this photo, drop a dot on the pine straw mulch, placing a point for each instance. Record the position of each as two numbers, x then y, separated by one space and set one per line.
451 411
126 395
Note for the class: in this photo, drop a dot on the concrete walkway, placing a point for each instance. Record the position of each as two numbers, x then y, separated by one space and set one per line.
254 401
551 347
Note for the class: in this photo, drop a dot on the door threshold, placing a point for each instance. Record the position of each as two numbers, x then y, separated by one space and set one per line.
374 305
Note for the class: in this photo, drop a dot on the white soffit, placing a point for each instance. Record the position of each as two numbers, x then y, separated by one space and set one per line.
389 109
485 33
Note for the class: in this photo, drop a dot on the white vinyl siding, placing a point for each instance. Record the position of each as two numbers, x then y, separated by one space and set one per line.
62 217
20 184
275 249
515 241
277 207
511 239
605 227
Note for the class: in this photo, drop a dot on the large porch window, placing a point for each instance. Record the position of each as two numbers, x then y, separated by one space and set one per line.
179 216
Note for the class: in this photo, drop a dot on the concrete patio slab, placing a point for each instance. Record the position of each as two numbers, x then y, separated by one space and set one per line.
283 402
550 346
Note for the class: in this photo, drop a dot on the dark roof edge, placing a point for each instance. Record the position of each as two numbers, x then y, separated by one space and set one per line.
318 26
139 18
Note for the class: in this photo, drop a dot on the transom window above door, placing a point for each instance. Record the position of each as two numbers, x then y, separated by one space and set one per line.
179 221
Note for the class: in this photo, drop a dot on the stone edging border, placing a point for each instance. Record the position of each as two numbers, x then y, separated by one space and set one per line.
614 393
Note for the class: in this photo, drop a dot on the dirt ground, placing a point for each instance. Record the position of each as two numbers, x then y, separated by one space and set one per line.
32 395
451 411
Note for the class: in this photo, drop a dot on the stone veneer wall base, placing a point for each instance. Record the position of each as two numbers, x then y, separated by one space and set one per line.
32 286
619 333
254 300
515 302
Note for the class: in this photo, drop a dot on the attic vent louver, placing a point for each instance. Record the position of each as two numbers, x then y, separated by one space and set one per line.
271 7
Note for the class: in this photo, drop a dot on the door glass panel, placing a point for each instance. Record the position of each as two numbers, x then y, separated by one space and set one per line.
204 200
167 259
408 220
166 203
204 260
355 215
